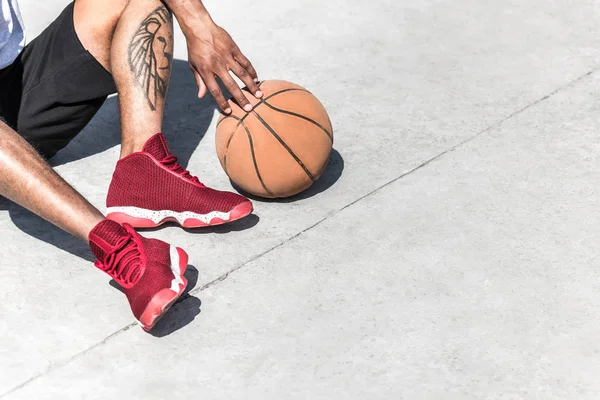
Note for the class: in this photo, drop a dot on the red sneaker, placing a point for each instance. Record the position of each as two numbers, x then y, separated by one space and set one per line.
149 271
149 188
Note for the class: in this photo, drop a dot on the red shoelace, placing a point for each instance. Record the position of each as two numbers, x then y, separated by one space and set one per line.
124 262
171 163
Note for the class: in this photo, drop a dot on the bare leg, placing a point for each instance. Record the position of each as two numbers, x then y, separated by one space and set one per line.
137 47
25 177
28 180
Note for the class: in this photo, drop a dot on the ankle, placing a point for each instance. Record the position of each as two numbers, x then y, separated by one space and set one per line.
134 143
130 148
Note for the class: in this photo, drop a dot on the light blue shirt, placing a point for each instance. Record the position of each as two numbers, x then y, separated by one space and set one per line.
12 33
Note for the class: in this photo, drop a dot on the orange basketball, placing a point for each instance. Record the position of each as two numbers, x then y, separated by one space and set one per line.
281 147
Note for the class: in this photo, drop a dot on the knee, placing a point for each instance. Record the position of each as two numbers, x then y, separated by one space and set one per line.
95 23
99 16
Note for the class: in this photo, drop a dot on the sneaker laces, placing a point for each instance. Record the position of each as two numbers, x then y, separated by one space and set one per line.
124 261
171 163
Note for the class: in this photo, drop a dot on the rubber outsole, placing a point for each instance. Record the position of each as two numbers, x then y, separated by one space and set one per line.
163 300
240 211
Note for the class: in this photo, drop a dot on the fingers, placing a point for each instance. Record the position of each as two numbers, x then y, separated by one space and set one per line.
245 64
234 90
245 77
205 78
207 69
215 91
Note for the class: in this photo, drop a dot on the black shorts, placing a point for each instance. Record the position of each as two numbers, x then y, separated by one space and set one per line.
54 88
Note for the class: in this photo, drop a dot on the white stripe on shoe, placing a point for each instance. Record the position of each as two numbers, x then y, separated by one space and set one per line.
176 270
161 215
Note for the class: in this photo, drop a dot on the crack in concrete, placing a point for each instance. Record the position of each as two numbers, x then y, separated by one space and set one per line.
55 366
223 277
418 167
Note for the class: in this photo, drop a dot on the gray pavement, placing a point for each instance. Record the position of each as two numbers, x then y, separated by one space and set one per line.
450 251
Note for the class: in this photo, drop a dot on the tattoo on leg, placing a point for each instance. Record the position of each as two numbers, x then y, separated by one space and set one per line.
150 55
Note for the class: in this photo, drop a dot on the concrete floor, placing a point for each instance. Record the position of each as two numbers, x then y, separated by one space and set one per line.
450 251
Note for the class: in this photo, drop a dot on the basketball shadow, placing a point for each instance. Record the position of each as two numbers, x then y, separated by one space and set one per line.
187 119
332 174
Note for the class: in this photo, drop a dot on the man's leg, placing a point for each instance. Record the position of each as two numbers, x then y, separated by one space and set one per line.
151 284
50 89
28 180
44 98
149 188
136 45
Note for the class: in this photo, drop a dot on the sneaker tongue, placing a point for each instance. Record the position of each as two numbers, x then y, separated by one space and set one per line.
157 147
104 236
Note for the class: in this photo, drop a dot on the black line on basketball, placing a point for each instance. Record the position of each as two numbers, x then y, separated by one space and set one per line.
283 91
229 142
266 98
302 117
243 118
284 145
234 131
224 118
254 160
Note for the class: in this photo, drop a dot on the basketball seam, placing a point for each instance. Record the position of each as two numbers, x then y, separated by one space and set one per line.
224 118
254 160
272 131
251 150
284 144
262 101
284 91
229 142
329 135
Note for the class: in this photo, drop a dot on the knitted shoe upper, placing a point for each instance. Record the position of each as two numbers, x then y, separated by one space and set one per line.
157 276
118 252
153 180
142 267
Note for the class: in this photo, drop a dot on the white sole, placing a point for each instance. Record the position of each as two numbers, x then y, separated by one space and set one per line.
158 216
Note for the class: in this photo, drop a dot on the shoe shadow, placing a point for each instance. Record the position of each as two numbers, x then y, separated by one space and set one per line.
179 316
182 313
240 225
332 174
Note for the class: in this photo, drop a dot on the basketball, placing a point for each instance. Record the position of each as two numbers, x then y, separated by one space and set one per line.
281 147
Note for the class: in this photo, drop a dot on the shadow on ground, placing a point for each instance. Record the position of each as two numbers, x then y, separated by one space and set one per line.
240 225
183 312
187 119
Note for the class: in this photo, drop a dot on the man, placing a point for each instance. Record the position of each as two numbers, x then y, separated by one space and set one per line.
51 88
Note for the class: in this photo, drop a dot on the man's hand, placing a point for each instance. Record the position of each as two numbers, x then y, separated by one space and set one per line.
213 53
